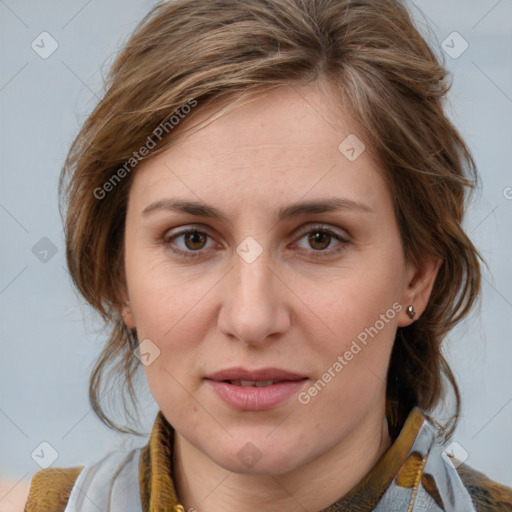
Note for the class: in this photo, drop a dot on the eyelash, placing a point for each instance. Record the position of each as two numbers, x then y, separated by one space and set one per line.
169 239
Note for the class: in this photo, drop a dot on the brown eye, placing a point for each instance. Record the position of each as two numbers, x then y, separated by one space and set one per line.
319 240
188 243
194 240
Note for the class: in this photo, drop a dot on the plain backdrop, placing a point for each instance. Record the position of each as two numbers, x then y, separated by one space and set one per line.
49 338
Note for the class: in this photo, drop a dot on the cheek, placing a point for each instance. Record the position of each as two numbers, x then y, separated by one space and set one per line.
177 337
361 310
171 391
168 314
162 297
357 301
352 366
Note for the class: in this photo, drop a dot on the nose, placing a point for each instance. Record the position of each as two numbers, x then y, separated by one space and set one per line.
254 308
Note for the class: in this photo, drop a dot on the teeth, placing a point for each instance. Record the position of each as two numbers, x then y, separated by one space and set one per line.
258 384
263 383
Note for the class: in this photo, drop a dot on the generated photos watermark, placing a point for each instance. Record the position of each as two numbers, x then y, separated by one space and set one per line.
355 348
137 156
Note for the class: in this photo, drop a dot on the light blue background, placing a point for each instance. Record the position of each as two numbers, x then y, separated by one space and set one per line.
49 339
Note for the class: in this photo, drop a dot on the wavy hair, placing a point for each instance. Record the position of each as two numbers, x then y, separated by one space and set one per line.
388 78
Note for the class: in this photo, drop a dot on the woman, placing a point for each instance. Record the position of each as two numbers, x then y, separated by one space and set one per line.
266 207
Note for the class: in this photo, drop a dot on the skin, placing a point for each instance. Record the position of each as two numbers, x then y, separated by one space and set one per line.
13 494
298 306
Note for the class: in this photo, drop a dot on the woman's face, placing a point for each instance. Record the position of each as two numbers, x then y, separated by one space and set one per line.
264 249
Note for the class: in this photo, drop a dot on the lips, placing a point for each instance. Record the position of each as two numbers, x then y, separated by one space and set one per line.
255 390
255 383
265 376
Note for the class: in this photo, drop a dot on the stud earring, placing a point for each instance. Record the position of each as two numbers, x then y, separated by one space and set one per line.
411 311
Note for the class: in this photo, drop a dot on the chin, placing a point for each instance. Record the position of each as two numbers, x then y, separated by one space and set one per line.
253 455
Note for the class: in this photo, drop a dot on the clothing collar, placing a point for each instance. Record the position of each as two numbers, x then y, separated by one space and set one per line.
158 492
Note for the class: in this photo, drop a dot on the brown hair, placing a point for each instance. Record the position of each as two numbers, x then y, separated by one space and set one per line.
387 77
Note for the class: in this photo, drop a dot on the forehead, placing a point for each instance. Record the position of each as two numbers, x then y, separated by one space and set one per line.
288 143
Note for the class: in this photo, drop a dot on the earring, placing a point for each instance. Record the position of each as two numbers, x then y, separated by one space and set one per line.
411 311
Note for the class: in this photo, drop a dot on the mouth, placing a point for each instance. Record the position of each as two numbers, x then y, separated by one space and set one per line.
262 377
254 383
255 390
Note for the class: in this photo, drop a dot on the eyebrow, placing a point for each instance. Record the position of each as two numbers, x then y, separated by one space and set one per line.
201 209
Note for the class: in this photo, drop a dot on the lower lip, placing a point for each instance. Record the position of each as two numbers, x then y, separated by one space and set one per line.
252 398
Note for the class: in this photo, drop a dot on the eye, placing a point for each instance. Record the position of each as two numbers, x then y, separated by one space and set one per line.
187 242
323 240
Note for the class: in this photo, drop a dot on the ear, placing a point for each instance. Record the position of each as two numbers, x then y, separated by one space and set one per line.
127 316
420 282
123 303
124 307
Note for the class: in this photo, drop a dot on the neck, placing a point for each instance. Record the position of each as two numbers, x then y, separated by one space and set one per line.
204 486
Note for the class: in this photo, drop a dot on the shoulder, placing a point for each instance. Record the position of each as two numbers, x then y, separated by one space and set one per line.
115 476
487 495
50 489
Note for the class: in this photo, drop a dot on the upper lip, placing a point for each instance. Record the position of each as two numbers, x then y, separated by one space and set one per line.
263 374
